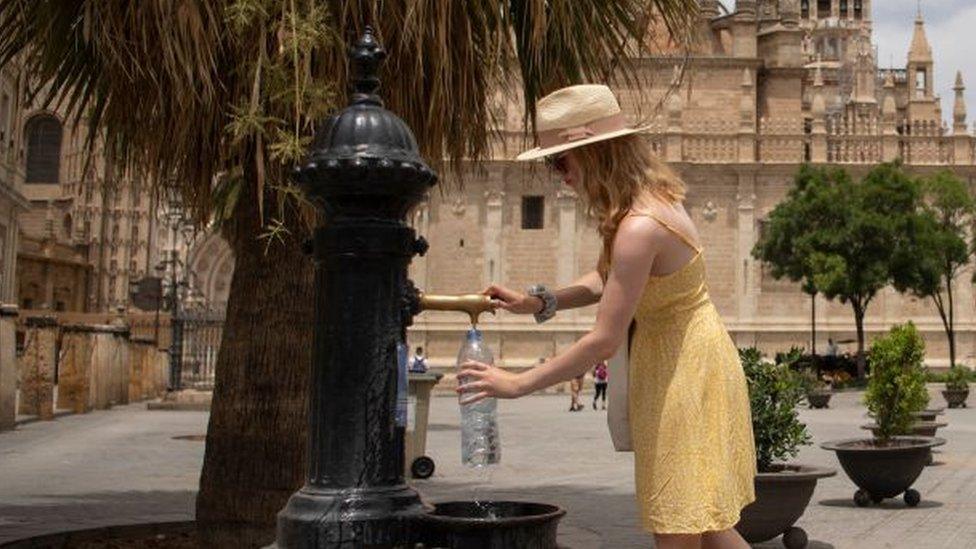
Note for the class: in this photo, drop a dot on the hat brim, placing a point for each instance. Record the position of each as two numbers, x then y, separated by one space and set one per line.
539 152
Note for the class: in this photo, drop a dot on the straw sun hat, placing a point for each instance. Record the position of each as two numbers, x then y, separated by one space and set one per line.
576 116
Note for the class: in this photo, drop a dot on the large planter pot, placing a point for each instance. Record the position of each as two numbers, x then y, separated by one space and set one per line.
929 415
919 428
491 525
956 398
782 496
884 471
819 398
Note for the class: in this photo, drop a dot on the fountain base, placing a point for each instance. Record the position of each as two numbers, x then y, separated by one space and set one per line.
350 518
491 525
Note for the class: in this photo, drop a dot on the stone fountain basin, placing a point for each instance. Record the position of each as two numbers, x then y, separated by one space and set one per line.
491 525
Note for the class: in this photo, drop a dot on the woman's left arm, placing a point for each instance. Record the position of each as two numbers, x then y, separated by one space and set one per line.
634 248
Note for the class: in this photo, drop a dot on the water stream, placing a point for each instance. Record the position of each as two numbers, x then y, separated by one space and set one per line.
482 491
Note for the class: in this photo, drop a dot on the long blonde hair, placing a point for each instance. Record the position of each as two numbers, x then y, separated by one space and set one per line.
619 174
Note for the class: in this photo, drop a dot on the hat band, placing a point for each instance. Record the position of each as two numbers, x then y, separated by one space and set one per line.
561 136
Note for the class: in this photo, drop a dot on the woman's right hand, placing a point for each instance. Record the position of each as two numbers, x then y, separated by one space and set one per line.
512 301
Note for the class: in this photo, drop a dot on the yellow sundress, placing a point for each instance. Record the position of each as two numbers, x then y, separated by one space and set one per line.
690 421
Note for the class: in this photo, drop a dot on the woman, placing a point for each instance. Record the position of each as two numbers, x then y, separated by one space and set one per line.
600 377
688 405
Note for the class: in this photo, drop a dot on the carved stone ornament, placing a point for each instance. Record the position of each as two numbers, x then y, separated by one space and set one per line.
494 197
566 194
709 211
458 206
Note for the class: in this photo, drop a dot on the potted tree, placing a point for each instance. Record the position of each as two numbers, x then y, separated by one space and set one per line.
956 387
890 462
923 420
783 490
816 390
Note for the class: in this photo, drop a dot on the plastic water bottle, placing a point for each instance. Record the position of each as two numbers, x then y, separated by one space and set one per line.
480 445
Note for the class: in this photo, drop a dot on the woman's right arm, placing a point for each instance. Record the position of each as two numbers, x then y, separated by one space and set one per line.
584 291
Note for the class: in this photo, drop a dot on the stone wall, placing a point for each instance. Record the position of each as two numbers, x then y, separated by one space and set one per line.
76 391
83 367
110 379
8 366
36 366
146 379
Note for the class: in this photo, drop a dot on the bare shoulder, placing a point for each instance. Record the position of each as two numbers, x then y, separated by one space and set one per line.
673 217
638 235
638 226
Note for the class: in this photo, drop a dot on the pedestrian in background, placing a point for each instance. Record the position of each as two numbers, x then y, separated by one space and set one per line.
575 386
600 378
419 363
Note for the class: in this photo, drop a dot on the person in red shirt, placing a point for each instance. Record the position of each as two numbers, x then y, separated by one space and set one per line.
600 379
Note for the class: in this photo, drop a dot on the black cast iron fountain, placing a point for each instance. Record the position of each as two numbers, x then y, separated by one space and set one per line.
365 173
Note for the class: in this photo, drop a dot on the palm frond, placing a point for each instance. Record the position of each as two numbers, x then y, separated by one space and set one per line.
172 86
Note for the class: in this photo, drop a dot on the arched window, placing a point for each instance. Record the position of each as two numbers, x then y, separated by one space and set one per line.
43 149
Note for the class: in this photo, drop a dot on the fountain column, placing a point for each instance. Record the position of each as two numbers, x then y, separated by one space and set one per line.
365 173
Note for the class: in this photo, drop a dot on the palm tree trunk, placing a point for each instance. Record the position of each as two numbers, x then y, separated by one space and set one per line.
256 440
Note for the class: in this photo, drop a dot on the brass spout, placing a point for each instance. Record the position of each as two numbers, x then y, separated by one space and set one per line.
473 304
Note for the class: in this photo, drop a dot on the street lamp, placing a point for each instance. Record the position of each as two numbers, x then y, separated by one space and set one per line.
179 225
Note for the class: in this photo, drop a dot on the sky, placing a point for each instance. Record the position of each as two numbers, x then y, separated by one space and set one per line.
950 26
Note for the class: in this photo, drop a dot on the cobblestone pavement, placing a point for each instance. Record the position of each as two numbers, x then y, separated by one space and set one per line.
118 466
123 466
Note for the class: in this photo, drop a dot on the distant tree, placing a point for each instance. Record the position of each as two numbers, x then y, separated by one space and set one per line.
938 249
839 237
783 230
852 251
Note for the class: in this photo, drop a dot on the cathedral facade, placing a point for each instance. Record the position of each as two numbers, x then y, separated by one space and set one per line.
77 229
769 86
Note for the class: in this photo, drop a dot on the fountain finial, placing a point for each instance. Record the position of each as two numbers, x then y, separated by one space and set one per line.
366 56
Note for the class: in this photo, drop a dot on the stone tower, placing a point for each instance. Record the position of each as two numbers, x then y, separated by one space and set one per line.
921 70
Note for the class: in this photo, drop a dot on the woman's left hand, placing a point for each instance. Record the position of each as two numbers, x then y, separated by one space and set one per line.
483 381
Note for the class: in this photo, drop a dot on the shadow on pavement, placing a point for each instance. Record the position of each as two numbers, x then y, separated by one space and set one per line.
886 505
52 513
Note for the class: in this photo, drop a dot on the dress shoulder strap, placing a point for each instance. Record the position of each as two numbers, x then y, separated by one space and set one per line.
684 238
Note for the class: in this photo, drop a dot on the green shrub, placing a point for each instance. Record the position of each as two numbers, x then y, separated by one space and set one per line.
965 374
810 382
794 358
957 379
896 388
774 393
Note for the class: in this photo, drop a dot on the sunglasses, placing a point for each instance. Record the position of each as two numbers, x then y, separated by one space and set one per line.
557 162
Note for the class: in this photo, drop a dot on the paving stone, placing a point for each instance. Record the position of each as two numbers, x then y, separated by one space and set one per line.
122 466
